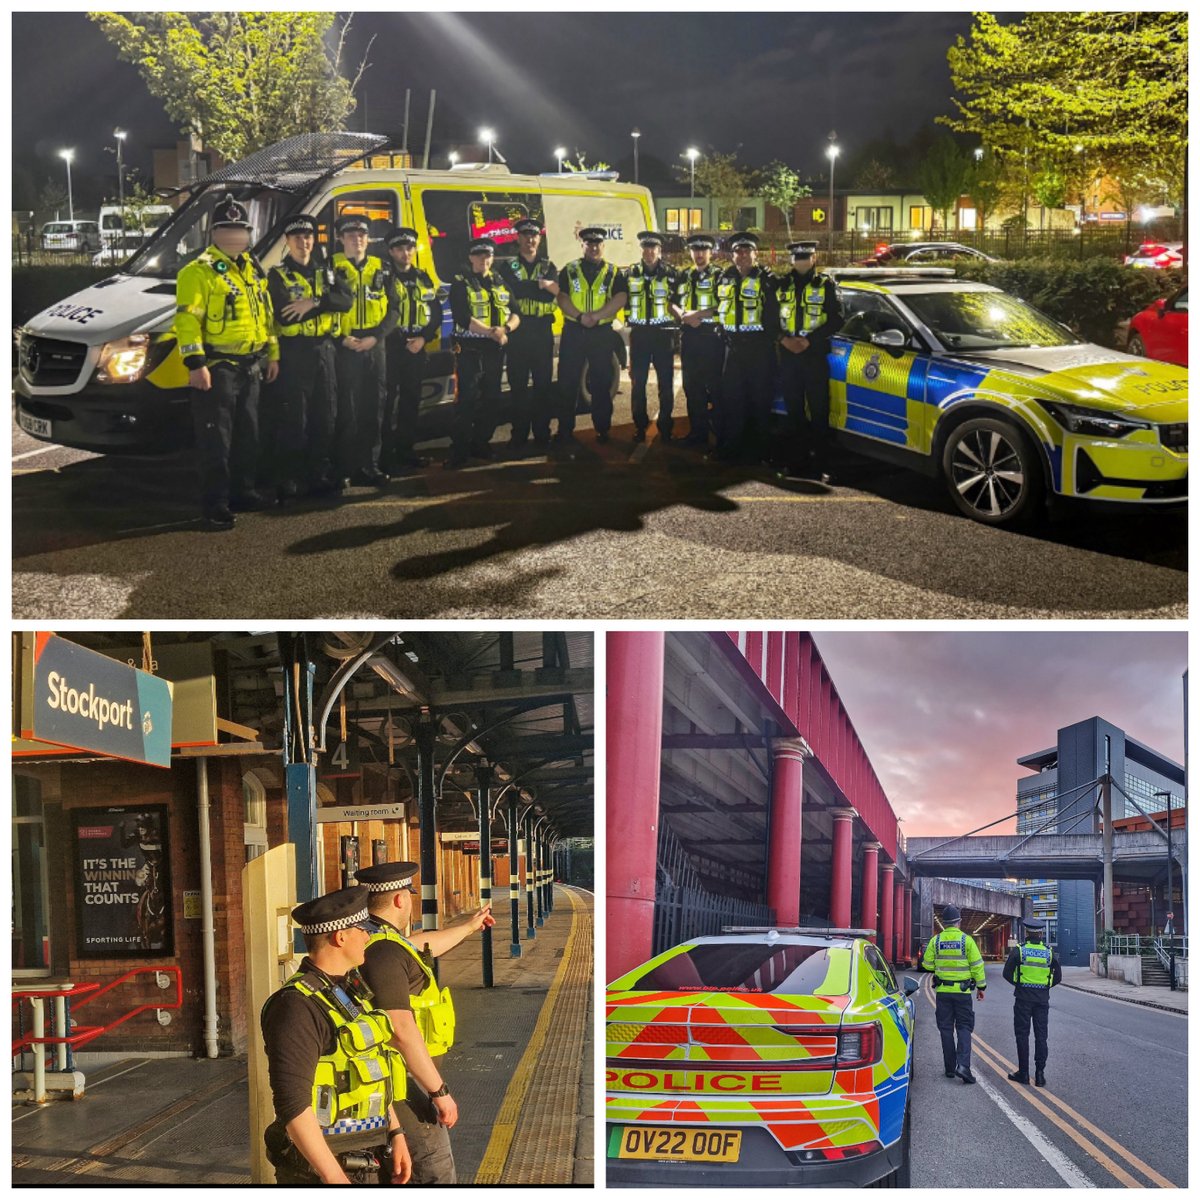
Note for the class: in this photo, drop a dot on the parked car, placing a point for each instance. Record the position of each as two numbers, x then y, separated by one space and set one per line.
1159 256
1160 330
119 250
915 254
760 1058
79 236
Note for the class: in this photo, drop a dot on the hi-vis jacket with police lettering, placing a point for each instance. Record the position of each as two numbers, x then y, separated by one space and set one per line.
955 961
809 307
433 1008
1033 965
375 310
222 309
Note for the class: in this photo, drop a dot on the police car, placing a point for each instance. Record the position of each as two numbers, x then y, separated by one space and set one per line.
767 1057
960 380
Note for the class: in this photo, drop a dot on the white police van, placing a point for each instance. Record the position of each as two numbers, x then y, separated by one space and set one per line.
100 369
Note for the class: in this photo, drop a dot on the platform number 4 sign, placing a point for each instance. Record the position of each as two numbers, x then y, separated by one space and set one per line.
341 757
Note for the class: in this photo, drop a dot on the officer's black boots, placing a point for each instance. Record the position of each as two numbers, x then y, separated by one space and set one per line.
951 1074
1039 1078
1018 1076
964 1073
218 519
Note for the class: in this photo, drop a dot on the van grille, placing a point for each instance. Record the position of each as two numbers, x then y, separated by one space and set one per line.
48 362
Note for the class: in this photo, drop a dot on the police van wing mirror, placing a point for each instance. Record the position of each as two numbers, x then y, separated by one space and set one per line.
890 339
911 985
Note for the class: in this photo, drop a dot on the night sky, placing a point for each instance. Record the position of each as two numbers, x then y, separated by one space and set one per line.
775 84
945 716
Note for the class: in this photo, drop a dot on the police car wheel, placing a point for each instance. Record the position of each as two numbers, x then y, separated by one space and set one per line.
1136 345
992 471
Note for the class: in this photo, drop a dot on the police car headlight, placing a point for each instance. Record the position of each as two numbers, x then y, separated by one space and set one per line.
124 360
1092 422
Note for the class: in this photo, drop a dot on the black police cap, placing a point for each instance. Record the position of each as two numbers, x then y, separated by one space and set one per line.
743 239
527 225
301 223
1034 926
338 910
649 238
802 249
402 237
593 233
482 246
388 877
353 223
701 241
229 213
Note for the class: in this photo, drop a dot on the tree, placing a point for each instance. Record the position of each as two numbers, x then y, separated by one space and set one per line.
942 176
1049 188
138 198
51 201
875 176
986 184
581 164
780 186
721 178
240 80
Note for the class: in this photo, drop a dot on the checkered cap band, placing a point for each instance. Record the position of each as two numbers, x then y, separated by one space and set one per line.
337 923
391 885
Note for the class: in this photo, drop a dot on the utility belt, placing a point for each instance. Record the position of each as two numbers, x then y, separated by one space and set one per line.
248 364
667 325
963 985
307 340
283 1153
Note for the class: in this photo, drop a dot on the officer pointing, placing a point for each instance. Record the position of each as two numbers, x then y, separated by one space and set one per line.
1033 969
956 963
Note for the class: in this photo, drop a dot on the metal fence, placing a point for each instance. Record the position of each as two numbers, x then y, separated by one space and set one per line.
681 913
1135 945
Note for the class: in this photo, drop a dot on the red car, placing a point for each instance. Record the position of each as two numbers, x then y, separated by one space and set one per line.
1160 331
1161 256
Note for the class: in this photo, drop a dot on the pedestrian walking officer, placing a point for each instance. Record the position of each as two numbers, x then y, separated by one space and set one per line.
483 319
307 298
361 357
226 335
590 293
749 314
651 314
1033 969
957 968
532 282
701 350
336 1079
418 322
810 313
421 1012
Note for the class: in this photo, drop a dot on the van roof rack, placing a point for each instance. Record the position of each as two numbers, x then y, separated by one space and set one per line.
296 162
611 176
830 931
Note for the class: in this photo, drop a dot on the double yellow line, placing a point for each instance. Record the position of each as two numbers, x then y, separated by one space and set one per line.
1037 1099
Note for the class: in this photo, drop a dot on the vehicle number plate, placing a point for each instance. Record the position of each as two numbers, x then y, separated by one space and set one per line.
669 1144
35 425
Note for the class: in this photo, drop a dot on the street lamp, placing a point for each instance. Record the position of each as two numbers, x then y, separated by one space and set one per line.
831 152
979 154
120 135
1170 888
489 136
69 155
453 157
560 152
635 134
693 154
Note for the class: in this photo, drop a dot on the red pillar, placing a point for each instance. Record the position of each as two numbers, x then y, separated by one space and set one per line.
908 922
898 910
843 858
783 853
886 895
870 888
635 713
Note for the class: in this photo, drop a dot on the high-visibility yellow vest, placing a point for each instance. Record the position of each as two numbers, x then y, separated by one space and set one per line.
1034 969
954 958
222 307
802 310
433 1007
594 296
697 290
527 274
649 296
299 287
489 300
368 286
416 301
750 287
355 1083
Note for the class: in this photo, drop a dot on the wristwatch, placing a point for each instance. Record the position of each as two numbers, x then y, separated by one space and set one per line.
444 1090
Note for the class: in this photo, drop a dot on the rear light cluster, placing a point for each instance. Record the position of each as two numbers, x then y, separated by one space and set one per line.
832 1153
857 1046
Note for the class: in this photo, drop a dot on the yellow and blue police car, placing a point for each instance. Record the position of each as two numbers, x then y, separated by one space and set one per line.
961 380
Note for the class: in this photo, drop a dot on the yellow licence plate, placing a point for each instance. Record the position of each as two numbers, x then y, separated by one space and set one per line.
684 1145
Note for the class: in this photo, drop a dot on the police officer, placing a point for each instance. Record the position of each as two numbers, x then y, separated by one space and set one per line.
307 297
652 313
532 283
1033 969
810 313
701 351
225 330
483 319
590 293
422 1014
336 1079
957 968
361 357
418 322
748 313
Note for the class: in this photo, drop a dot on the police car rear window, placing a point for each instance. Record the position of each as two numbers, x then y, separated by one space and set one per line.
787 970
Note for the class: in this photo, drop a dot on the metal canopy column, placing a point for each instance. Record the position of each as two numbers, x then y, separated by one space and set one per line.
299 756
842 861
514 874
886 895
425 734
898 913
908 937
530 928
870 889
483 779
784 839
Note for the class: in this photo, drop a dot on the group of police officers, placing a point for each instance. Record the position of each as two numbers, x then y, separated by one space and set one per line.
344 345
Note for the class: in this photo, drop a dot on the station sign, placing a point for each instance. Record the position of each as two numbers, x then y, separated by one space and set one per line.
362 812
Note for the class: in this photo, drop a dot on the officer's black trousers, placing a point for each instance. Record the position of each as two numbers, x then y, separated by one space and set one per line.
530 354
652 347
805 381
578 349
299 438
1031 1009
747 390
955 1013
226 425
405 375
702 358
362 397
478 401
428 1142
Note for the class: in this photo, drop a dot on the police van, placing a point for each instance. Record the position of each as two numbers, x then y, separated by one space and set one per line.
100 370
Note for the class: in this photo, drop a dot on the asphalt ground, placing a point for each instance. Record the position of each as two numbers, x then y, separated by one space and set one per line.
1114 1113
622 531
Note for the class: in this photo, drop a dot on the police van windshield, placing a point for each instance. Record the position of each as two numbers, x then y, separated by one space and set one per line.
728 967
986 321
188 232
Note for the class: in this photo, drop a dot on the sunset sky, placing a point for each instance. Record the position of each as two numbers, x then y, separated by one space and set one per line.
944 716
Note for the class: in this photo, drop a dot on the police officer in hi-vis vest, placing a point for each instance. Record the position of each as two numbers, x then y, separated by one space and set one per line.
307 297
421 1013
336 1078
957 968
226 335
651 315
1033 969
532 283
418 322
483 319
361 357
590 293
701 351
810 313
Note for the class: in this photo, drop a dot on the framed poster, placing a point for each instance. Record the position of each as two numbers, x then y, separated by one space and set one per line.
122 867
